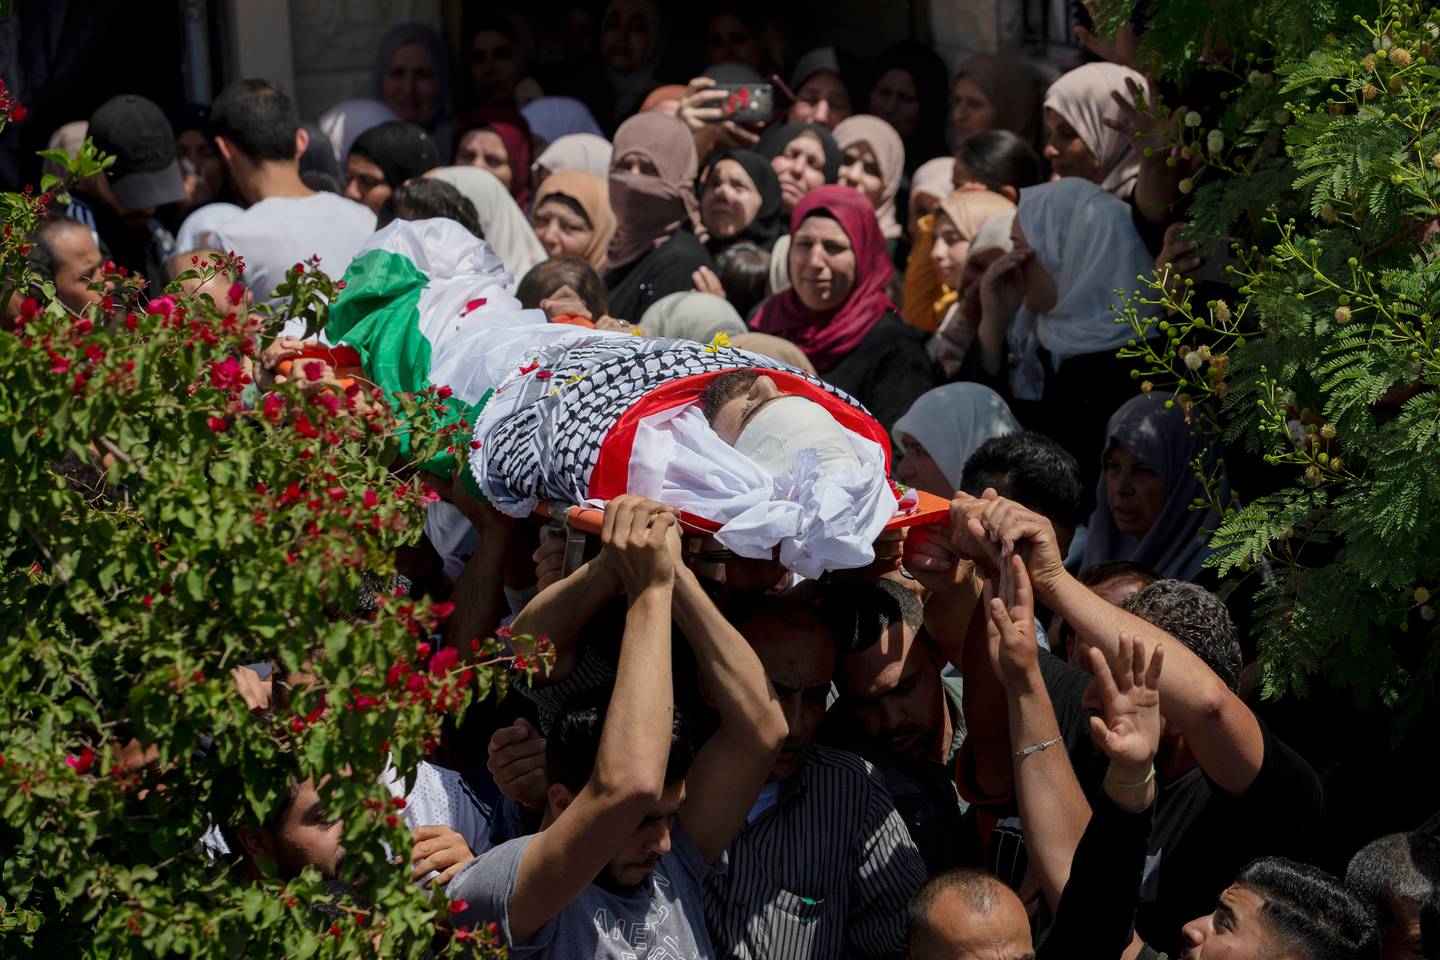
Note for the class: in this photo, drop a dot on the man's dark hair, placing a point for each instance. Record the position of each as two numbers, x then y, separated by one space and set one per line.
979 889
257 118
1396 869
573 741
425 198
42 257
1195 617
724 388
1128 570
859 613
999 158
547 276
1031 469
1310 912
744 272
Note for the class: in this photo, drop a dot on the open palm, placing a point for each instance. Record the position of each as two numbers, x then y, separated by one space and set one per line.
1129 731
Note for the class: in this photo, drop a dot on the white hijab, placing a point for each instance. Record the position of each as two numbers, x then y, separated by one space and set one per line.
952 421
504 227
1084 237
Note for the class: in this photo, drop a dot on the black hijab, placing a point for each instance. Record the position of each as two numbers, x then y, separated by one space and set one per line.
769 220
932 85
400 150
776 139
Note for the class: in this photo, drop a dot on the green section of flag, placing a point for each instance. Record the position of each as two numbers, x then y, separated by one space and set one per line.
378 313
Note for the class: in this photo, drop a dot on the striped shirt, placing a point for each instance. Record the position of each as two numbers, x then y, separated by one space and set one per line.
824 873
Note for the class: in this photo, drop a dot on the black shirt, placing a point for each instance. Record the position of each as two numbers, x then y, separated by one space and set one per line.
1202 835
665 270
888 370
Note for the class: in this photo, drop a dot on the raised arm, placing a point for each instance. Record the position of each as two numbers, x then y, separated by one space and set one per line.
1052 805
1096 912
562 609
730 769
1219 729
629 774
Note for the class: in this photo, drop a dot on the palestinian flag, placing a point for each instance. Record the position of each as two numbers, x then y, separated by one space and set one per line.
411 296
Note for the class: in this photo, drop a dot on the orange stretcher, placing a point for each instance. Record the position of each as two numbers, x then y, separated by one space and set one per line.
927 509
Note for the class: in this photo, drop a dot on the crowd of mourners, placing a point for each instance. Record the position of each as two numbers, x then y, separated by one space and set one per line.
1026 731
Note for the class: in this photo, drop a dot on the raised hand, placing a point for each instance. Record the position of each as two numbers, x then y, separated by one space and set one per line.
517 761
1148 126
1011 528
1002 289
934 562
438 848
1014 652
968 538
637 541
1128 730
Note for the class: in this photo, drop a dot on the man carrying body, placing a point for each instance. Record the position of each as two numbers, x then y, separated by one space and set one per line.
631 821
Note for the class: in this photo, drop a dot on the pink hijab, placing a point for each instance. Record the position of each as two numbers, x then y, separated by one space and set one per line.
828 336
1082 97
650 210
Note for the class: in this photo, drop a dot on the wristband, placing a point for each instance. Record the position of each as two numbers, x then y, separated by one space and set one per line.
1138 784
1037 747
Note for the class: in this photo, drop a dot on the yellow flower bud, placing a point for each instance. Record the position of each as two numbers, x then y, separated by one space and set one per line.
1400 57
1342 314
1221 312
1422 595
1328 432
1368 93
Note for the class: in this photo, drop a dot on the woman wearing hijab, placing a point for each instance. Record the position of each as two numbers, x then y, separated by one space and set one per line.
384 157
942 428
956 223
412 78
497 139
1079 143
803 156
956 335
874 163
502 225
1143 498
655 250
344 122
911 94
1049 310
996 91
200 162
631 40
692 315
572 217
828 87
933 180
740 201
551 118
574 151
837 311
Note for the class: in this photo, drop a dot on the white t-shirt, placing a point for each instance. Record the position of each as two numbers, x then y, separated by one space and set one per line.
279 232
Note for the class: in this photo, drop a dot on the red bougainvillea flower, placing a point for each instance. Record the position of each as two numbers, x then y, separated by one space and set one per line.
370 500
18 113
29 309
305 428
443 661
475 304
459 906
226 374
443 393
59 364
218 424
83 762
236 293
274 407
443 609
164 306
313 370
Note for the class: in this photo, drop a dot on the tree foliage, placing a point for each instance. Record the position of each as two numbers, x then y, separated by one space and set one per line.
1324 176
161 524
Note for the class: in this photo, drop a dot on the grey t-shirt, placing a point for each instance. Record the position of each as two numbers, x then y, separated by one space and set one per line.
662 919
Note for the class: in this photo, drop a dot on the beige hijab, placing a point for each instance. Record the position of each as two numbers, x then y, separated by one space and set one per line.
1082 97
651 209
889 152
593 196
968 209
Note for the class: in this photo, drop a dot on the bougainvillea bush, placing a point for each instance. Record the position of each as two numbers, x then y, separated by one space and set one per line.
162 523
1320 167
